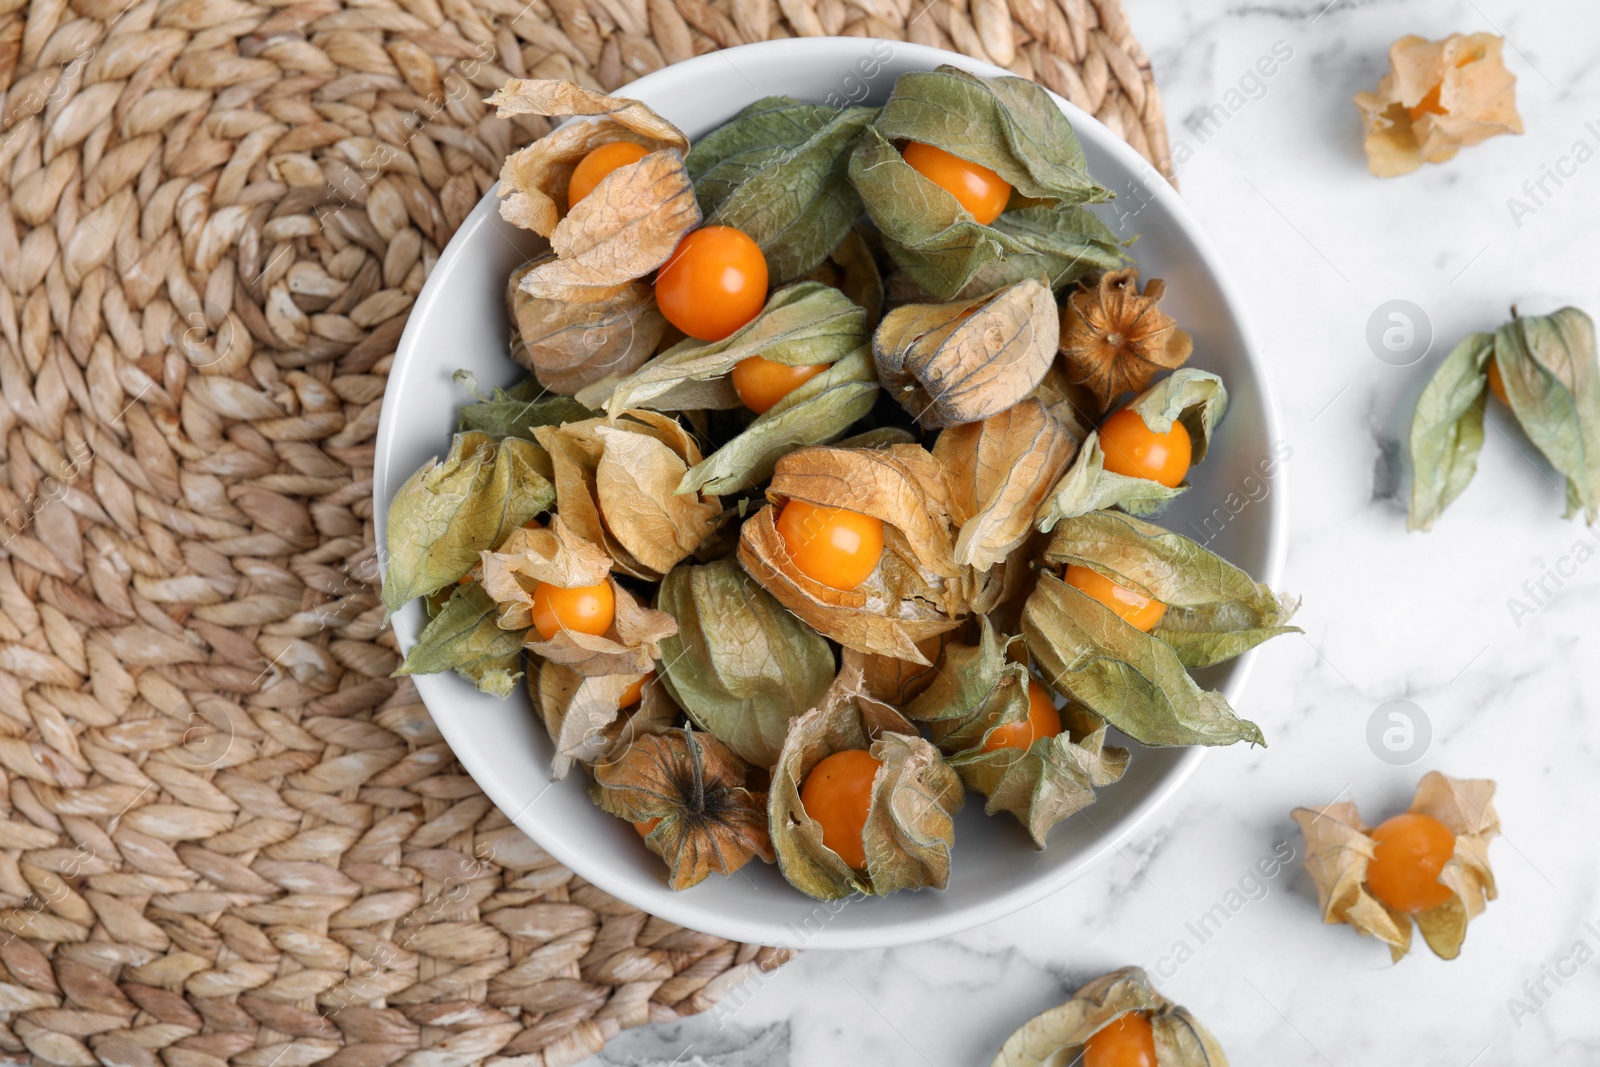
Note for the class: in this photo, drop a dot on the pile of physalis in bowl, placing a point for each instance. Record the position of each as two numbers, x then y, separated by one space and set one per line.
827 500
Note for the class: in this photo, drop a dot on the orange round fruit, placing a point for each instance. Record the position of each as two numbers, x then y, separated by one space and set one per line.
715 282
1497 384
1138 611
1043 721
1127 1042
1134 449
597 164
1409 852
632 694
980 190
588 609
762 382
838 795
646 826
835 547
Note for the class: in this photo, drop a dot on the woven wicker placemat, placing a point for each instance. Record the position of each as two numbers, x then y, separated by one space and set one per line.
229 836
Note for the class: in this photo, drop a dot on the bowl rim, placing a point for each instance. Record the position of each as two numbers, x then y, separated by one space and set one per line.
679 908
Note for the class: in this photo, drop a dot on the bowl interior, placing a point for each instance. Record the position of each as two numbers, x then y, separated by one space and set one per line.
1236 507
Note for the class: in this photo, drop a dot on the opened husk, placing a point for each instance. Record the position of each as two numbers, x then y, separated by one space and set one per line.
1059 1035
1338 850
910 828
571 345
585 719
1116 339
1438 97
464 637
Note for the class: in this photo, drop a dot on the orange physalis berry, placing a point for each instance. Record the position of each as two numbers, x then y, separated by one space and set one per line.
835 547
980 190
1140 612
838 795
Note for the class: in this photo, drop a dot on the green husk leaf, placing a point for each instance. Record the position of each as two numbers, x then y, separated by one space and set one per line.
1196 398
1447 430
740 665
1131 679
802 324
818 412
852 269
464 637
964 361
1007 124
695 785
910 827
1215 611
1059 1035
569 345
1552 379
777 172
1063 246
503 415
977 689
446 513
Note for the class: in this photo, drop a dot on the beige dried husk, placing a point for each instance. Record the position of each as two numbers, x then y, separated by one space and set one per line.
616 485
568 346
1058 1035
1438 97
910 827
918 590
633 219
585 719
1338 850
695 785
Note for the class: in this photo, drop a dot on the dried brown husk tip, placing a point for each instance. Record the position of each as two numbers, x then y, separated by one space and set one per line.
695 786
910 828
1059 1035
1338 849
1116 339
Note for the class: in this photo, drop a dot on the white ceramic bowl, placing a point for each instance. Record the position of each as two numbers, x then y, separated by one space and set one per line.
460 321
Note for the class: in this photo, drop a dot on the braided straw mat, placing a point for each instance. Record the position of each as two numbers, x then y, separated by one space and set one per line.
229 836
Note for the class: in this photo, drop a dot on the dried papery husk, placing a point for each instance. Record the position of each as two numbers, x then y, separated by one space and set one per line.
894 681
448 512
1059 1035
516 411
585 719
1215 611
1447 430
1000 472
1115 339
616 485
740 665
776 171
910 828
463 636
852 269
533 180
979 688
918 590
1339 848
1438 98
1007 124
1549 368
570 345
1073 405
1133 680
695 785
964 361
1195 398
631 646
531 555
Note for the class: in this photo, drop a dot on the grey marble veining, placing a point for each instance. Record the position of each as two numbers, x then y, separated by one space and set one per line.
1474 623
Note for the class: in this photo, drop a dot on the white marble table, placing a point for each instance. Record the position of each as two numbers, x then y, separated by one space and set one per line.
1512 695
